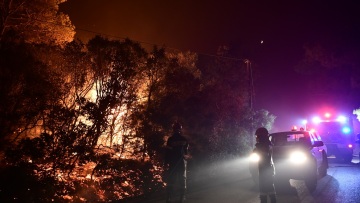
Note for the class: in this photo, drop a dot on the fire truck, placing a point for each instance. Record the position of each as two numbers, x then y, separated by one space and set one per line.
337 133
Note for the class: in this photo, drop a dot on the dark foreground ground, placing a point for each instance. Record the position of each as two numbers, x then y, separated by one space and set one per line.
230 182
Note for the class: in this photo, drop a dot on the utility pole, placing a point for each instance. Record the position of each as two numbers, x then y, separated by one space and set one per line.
251 97
251 82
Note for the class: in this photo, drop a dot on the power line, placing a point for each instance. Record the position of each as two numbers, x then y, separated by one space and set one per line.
140 42
149 43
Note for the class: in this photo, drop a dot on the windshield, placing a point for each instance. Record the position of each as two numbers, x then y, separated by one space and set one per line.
290 139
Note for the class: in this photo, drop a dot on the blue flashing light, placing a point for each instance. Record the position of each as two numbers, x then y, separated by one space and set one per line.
346 130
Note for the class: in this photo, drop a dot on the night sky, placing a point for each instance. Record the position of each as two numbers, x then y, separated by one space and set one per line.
202 25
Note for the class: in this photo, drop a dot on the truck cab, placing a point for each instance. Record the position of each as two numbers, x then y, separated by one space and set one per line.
337 134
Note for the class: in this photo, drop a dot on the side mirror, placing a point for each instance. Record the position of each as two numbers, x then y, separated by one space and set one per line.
318 144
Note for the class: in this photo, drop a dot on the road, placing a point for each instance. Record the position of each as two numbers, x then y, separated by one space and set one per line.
233 184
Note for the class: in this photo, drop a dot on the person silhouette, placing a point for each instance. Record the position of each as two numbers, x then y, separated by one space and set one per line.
176 161
263 148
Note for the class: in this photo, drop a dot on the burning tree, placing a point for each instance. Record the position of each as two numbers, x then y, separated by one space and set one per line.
92 128
94 134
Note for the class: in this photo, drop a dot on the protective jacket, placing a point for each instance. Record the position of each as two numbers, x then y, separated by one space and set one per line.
177 148
266 170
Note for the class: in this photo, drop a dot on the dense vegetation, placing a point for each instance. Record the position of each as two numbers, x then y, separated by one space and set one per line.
88 122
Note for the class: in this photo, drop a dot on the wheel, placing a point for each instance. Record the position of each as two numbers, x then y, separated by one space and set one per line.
347 158
311 178
324 166
311 184
344 156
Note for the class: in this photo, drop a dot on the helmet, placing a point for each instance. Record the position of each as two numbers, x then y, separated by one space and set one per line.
262 133
177 127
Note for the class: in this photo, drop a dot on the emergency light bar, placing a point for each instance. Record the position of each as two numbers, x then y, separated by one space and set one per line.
327 116
341 119
316 120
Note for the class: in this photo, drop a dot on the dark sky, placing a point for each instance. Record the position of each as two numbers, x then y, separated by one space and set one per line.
202 25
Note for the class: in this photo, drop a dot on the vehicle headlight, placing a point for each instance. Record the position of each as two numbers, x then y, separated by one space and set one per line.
254 157
298 157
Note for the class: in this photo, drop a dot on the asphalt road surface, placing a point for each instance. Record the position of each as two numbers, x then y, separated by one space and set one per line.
231 183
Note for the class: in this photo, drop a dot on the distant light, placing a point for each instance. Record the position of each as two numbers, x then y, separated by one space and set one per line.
346 130
327 115
304 122
341 119
316 120
262 41
294 128
350 145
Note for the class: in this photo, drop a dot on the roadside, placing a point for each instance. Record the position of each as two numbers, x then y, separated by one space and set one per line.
231 182
227 181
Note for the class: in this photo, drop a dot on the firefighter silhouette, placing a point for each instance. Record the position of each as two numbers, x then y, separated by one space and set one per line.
263 148
176 155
